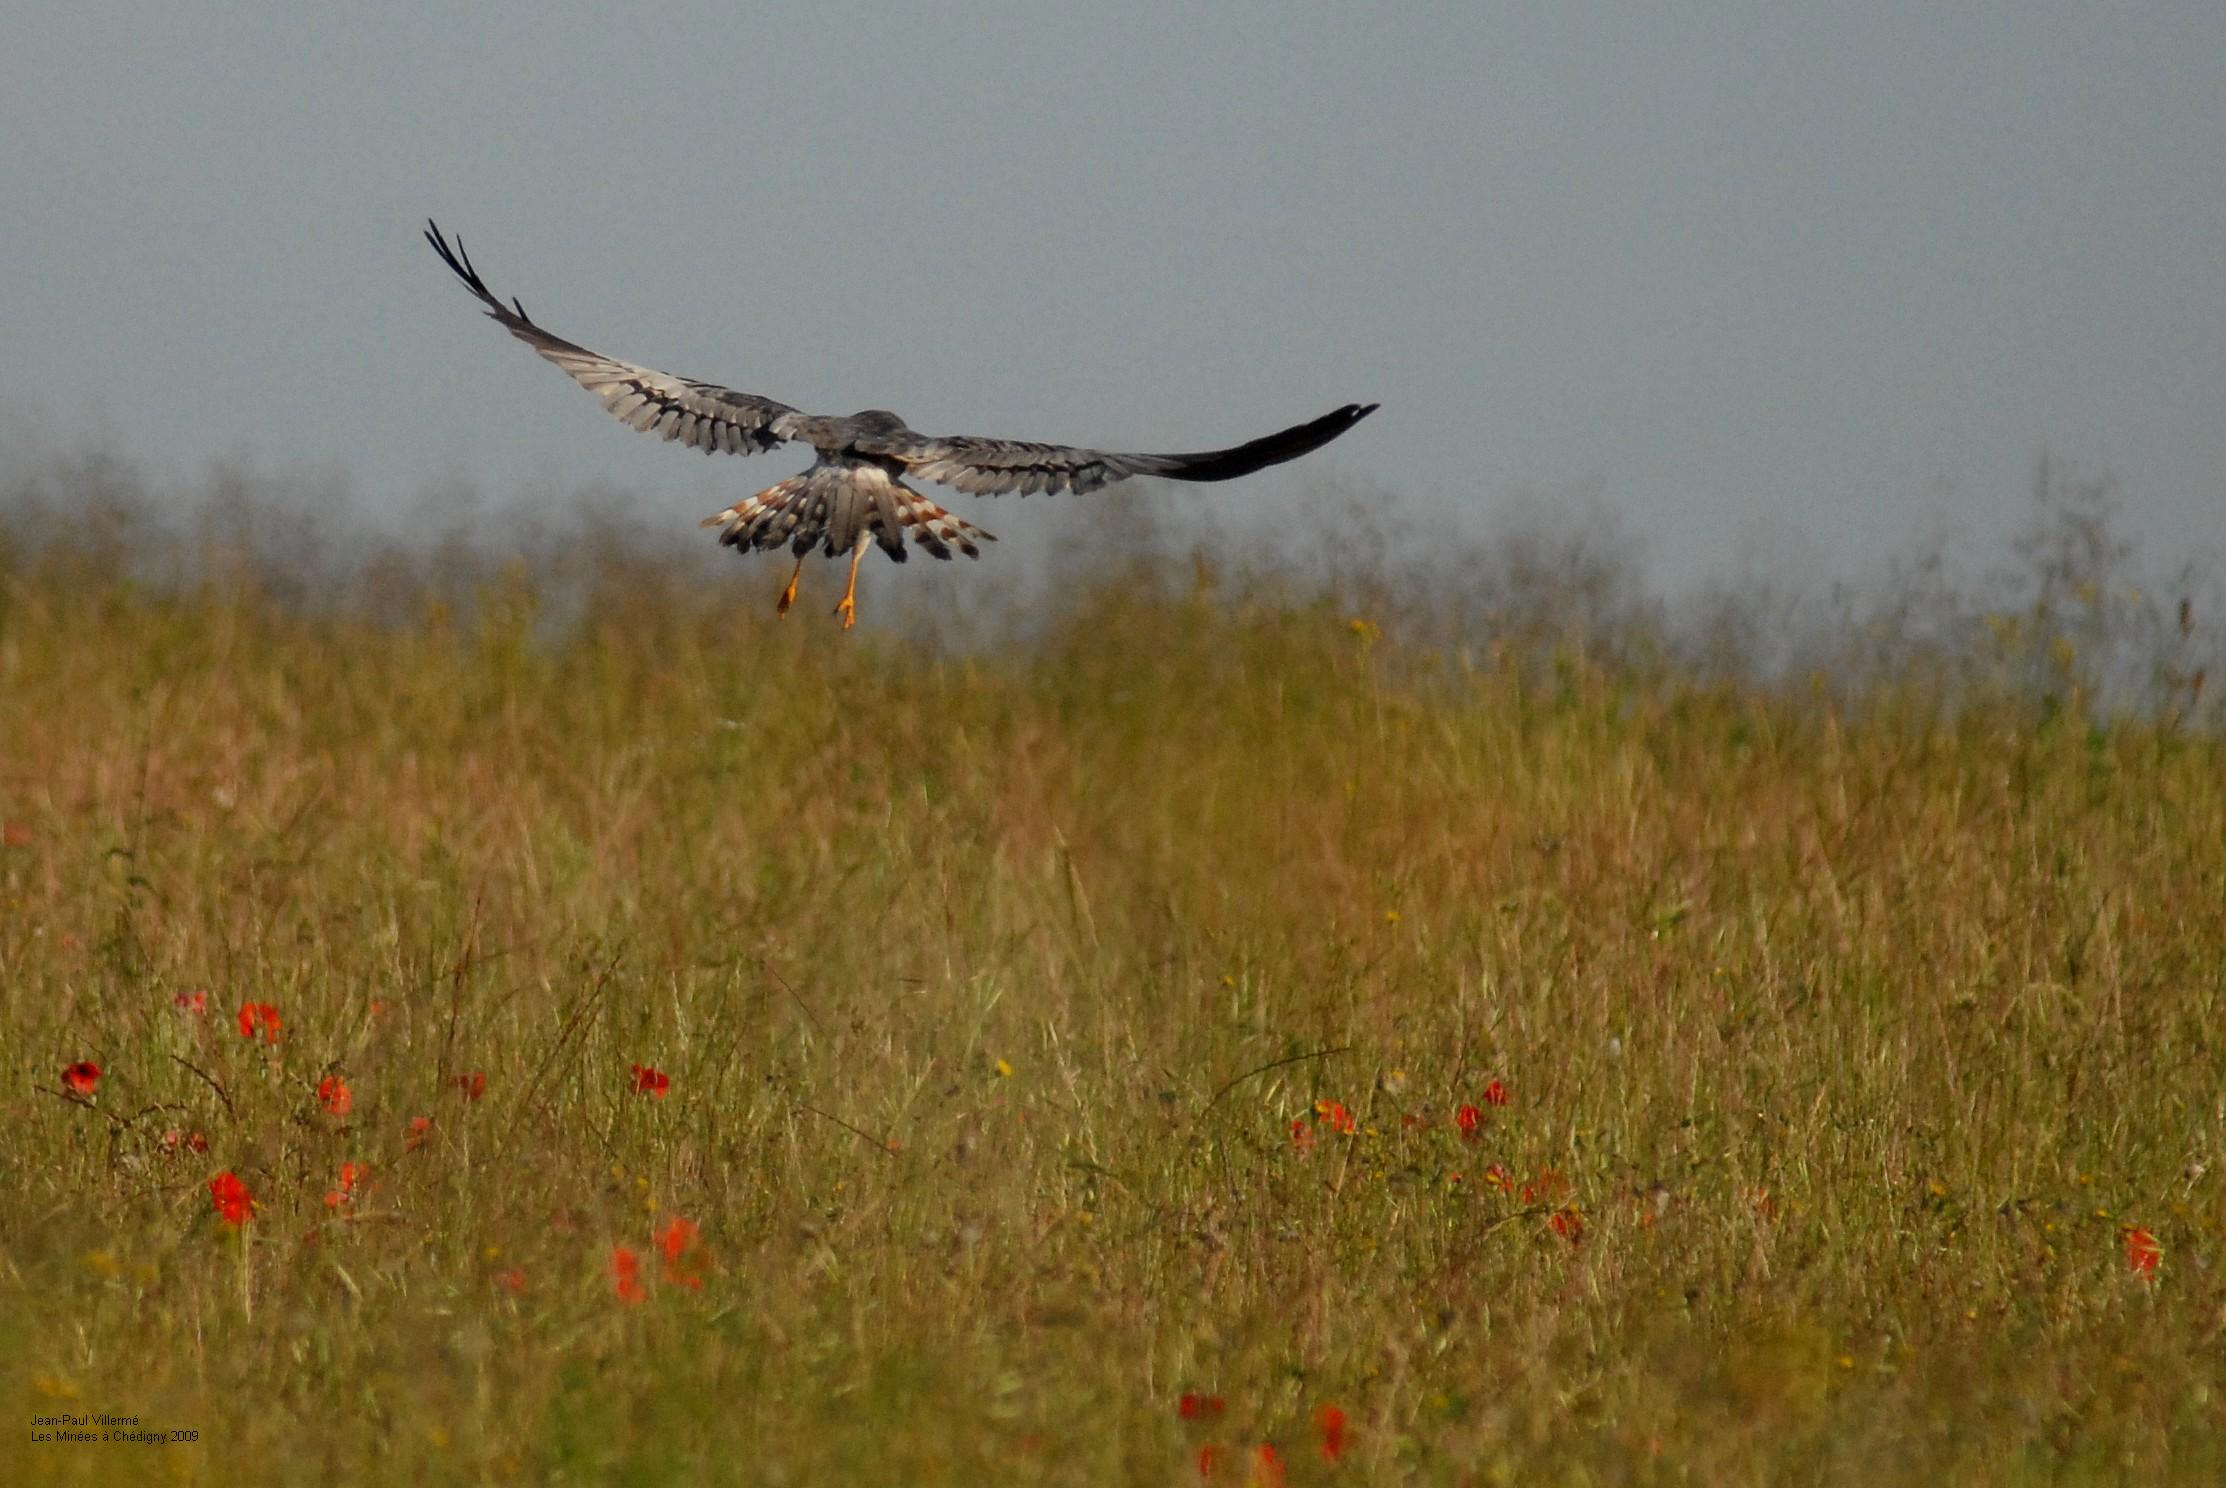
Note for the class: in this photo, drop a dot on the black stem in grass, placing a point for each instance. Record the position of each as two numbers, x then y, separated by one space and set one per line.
856 1131
212 1082
581 1012
810 1016
1272 1064
94 1106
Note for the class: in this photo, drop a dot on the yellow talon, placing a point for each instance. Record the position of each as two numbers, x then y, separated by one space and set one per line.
788 595
848 609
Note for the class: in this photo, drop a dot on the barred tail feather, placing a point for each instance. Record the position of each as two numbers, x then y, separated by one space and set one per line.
933 528
767 519
830 506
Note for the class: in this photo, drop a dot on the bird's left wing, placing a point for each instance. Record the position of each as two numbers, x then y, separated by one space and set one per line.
701 414
990 467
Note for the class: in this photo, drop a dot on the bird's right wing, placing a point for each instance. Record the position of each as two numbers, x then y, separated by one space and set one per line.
991 467
701 414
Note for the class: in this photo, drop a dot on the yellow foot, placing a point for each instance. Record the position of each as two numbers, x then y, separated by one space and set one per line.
788 595
848 609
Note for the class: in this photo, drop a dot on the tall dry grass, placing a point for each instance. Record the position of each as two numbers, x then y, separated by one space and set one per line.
1014 991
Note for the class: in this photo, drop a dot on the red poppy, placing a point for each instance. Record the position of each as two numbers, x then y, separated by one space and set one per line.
674 1239
231 1197
333 1093
1208 1455
1499 1178
420 1126
263 1014
1469 1120
473 1085
174 1139
1192 1407
15 834
1330 1421
1495 1094
195 1002
1550 1185
651 1081
1267 1466
81 1077
1334 1112
2143 1254
626 1275
1568 1223
512 1280
346 1192
1302 1135
673 1242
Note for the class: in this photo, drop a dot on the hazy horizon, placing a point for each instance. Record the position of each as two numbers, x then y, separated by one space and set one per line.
1789 292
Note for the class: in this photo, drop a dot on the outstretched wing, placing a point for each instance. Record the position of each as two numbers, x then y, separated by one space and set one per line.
702 414
991 467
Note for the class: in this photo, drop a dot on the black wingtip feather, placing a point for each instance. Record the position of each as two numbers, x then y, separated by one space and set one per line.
460 264
1271 449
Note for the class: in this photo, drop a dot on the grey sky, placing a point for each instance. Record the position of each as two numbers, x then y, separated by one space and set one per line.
1813 277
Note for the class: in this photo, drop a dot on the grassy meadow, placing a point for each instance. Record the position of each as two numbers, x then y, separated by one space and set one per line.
1224 1018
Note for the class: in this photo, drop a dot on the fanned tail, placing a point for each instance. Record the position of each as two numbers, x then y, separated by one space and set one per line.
933 528
830 506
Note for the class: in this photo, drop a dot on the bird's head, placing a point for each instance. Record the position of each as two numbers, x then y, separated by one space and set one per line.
876 421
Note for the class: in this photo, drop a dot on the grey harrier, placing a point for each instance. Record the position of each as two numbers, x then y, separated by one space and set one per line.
855 492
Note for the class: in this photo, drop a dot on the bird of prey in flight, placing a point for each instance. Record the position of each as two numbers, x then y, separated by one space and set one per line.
854 493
